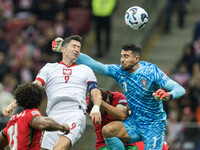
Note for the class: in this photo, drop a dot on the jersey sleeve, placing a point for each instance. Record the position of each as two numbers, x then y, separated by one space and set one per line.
113 70
43 74
90 75
119 98
158 76
4 132
93 64
32 114
164 81
122 99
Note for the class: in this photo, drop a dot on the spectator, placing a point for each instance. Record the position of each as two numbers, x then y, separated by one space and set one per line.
9 82
196 45
31 31
102 12
27 72
196 31
3 65
169 10
4 47
182 75
23 8
173 127
188 56
6 98
60 25
46 9
19 51
6 9
47 54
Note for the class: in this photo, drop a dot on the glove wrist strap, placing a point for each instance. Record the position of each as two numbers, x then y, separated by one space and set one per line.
170 95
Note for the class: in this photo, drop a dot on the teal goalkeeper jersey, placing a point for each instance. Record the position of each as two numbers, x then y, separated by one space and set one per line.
138 88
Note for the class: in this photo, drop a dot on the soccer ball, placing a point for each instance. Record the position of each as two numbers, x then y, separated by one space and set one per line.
136 17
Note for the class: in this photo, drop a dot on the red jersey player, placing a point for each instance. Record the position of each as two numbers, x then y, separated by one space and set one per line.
24 130
114 107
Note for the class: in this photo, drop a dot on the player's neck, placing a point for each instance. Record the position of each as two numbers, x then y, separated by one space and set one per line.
68 62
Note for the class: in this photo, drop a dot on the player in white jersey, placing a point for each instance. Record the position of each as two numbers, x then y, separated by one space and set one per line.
66 84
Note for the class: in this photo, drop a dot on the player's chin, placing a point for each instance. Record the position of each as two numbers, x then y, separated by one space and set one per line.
124 68
75 58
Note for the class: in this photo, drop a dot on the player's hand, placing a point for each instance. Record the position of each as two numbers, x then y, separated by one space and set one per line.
95 115
7 111
161 94
57 44
67 129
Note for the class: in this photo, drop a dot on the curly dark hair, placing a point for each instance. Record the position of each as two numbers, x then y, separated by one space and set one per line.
29 95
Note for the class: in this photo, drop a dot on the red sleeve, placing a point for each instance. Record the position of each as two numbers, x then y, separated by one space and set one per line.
32 113
87 100
4 132
165 146
41 80
119 98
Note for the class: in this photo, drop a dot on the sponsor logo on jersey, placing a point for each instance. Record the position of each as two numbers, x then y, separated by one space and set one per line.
144 82
122 101
35 112
67 71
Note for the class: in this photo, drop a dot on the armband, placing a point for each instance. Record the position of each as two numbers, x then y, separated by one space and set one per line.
92 85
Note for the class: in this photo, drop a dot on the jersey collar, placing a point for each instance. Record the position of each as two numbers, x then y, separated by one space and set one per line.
72 65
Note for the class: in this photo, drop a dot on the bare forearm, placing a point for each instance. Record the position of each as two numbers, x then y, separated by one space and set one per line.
96 95
116 113
13 104
52 126
46 123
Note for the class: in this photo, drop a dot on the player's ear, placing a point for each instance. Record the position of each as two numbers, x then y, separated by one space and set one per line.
137 58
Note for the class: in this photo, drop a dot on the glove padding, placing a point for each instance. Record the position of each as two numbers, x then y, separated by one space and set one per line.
57 44
161 94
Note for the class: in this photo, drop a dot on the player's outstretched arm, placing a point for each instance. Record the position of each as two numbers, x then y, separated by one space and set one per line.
93 64
119 112
97 100
46 123
9 109
176 91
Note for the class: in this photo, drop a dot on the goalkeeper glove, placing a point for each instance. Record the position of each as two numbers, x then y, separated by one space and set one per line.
57 44
161 94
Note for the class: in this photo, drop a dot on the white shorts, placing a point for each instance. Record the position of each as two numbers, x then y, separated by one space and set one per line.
75 119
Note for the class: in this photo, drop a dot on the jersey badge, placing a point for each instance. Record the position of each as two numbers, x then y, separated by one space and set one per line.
67 71
144 83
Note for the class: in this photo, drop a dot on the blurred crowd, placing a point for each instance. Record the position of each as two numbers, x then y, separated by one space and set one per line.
183 128
27 28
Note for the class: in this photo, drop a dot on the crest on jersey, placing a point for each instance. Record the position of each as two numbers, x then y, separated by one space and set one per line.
144 82
67 71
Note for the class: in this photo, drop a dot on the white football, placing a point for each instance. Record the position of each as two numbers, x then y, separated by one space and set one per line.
136 17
